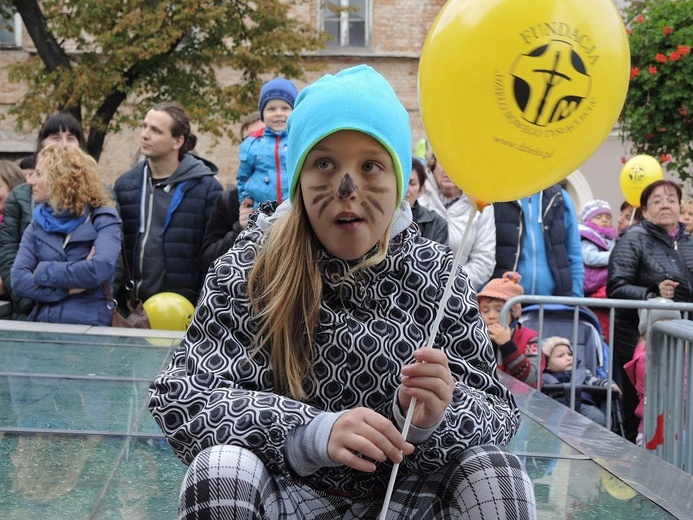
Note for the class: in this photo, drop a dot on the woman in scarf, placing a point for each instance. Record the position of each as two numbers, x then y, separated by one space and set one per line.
71 247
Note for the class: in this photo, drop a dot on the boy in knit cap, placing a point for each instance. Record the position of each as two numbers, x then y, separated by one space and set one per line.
262 174
288 394
559 371
635 368
515 343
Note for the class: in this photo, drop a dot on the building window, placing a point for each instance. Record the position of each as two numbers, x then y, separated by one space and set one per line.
346 21
11 31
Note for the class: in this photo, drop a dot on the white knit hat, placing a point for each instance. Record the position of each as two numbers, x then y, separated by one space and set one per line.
551 343
593 208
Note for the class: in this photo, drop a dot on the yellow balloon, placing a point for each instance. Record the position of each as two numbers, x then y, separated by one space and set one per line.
516 96
169 311
638 173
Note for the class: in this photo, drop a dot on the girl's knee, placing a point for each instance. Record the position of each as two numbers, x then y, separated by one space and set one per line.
224 478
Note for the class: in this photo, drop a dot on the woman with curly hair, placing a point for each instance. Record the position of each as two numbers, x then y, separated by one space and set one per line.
72 244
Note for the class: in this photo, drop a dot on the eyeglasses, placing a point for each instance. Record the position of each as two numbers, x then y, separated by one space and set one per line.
658 203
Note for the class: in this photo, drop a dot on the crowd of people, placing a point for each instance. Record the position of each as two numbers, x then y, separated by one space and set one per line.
300 405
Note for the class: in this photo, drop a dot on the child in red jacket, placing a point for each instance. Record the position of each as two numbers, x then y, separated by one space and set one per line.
516 344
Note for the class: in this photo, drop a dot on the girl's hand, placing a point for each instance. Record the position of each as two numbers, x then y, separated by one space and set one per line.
499 335
363 432
430 381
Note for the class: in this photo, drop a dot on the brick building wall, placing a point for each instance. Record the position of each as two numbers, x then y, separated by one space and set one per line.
397 32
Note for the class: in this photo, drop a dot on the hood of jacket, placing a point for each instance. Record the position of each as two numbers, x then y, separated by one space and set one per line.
191 167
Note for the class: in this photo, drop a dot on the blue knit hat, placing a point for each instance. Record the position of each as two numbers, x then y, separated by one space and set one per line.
279 88
357 98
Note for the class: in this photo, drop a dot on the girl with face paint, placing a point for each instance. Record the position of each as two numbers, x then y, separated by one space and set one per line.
289 391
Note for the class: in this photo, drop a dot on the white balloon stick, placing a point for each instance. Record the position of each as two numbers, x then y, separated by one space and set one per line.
431 340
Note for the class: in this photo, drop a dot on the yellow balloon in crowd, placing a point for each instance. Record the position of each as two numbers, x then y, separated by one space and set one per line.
169 311
516 96
638 173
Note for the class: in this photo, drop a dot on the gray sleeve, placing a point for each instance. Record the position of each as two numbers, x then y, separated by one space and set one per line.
414 435
306 446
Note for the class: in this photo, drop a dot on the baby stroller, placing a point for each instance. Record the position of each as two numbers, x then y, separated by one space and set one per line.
592 352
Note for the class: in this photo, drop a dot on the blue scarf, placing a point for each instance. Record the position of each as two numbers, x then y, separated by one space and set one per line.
52 222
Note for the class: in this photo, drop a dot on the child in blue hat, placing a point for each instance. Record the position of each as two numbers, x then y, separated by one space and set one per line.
289 392
262 174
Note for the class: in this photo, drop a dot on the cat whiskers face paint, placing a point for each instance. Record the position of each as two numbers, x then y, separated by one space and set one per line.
372 198
324 195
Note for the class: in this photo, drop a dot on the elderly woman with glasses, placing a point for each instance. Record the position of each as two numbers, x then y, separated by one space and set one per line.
652 258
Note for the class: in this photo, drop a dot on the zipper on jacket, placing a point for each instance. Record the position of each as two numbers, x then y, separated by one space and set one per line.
550 204
278 167
147 228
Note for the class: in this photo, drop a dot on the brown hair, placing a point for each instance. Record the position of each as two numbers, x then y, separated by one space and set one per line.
420 170
72 180
637 215
249 120
649 189
180 126
286 270
11 174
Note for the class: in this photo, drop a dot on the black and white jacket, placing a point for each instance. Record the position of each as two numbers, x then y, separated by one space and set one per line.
213 393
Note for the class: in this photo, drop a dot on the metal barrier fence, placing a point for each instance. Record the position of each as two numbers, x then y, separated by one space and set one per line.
668 423
665 400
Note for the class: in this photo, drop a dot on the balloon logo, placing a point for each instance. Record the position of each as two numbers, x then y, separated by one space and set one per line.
169 311
513 99
638 173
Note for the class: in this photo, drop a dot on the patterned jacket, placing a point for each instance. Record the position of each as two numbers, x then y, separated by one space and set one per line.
212 392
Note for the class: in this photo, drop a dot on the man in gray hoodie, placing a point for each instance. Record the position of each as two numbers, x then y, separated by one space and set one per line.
165 202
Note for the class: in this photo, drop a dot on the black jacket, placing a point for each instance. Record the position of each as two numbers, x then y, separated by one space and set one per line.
643 257
431 225
222 228
193 191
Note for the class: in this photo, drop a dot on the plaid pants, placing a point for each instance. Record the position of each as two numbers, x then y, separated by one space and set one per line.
228 482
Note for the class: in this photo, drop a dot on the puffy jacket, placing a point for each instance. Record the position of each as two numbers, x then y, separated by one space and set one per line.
262 175
215 392
46 268
582 377
644 256
596 250
18 213
538 237
18 208
194 191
